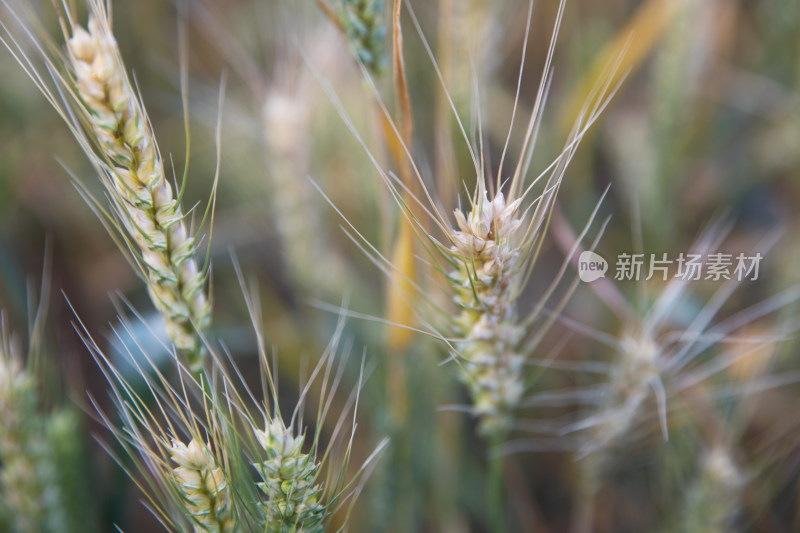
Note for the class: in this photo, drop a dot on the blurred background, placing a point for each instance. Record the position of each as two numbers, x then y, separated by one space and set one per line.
704 126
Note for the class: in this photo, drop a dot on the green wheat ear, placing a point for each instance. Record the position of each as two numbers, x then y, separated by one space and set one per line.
289 481
715 497
365 26
20 446
39 452
363 23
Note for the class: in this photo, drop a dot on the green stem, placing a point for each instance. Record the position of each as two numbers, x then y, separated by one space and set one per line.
587 490
496 488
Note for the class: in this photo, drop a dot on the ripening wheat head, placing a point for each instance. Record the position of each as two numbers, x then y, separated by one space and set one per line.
488 261
288 106
91 90
485 252
673 357
39 489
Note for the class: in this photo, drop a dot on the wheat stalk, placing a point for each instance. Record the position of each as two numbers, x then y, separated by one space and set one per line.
198 446
487 255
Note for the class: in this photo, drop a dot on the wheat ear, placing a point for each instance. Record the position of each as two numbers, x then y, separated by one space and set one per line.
20 486
138 187
715 498
289 481
488 260
34 486
364 24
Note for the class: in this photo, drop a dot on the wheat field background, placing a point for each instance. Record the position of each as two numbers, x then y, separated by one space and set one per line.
357 179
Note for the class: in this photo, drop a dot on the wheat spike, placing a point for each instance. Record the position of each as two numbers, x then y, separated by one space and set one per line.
20 486
137 184
488 261
715 498
289 482
365 26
